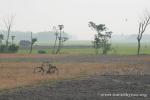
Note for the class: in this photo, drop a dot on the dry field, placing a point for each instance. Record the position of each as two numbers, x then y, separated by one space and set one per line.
17 74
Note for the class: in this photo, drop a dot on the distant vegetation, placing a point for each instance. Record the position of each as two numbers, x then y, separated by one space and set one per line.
42 52
8 47
57 41
86 48
44 36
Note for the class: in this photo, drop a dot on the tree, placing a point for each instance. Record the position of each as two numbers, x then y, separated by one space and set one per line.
142 27
8 24
101 39
60 38
1 38
56 38
33 40
12 38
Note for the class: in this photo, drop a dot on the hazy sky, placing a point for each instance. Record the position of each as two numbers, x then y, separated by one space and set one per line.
42 15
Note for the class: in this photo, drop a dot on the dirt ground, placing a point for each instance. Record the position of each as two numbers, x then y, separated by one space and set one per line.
67 58
131 85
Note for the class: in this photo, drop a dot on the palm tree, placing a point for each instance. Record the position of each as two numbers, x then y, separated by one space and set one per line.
56 38
33 40
56 35
60 38
12 37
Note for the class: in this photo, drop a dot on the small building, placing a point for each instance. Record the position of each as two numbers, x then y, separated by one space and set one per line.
24 43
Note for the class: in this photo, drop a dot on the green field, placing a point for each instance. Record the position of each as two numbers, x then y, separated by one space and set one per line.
85 47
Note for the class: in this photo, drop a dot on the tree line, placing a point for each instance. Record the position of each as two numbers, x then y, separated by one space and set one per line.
102 38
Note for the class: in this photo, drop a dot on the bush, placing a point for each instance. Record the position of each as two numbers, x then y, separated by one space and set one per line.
2 48
42 52
11 48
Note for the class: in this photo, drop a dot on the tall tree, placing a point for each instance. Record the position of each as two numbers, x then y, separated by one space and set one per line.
60 38
101 39
8 24
33 40
142 27
56 38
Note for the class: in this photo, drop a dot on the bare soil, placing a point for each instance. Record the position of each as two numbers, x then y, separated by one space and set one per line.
94 87
89 88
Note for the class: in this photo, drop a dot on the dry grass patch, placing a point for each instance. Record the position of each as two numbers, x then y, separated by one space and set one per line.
16 74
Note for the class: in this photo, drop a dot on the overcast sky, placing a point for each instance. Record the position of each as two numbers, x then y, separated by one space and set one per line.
120 16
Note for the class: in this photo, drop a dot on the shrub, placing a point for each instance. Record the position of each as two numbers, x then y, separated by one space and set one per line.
2 48
42 52
11 48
